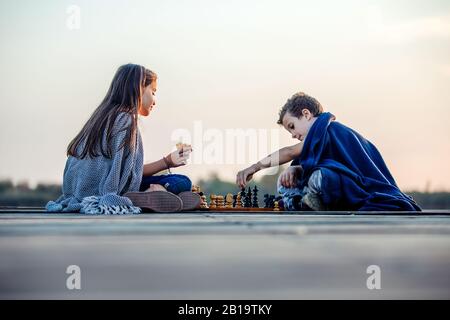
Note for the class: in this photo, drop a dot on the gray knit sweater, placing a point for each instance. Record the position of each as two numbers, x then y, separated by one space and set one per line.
96 185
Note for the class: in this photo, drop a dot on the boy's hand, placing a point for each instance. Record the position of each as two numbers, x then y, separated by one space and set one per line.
288 178
245 176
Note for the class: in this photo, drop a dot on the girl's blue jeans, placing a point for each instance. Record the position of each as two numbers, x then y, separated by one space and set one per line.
174 183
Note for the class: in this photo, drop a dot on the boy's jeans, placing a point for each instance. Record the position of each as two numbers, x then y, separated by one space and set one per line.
292 196
174 183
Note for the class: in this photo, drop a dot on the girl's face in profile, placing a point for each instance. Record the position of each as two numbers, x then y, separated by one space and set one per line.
148 99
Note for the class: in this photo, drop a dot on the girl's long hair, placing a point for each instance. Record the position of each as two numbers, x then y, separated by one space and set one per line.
124 95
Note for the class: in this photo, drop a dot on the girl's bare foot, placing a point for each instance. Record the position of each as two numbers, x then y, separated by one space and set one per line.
156 187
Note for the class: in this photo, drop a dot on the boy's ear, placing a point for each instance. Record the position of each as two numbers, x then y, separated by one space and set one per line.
307 114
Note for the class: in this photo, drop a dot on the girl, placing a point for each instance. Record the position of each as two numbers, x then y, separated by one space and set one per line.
104 172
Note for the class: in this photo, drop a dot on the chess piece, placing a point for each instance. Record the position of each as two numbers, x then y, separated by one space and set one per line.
280 202
266 201
275 206
212 203
242 196
271 201
234 200
229 201
238 200
220 202
203 202
248 198
217 201
255 198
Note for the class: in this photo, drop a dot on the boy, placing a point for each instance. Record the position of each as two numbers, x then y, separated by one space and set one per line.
333 167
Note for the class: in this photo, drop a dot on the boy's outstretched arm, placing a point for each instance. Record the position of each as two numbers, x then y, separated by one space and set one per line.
277 158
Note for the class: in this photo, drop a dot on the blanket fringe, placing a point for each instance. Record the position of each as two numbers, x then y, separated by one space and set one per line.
90 205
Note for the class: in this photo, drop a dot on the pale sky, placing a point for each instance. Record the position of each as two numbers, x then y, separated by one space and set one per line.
382 67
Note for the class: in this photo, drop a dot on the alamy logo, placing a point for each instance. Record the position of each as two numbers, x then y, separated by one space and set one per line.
73 21
230 146
374 280
74 280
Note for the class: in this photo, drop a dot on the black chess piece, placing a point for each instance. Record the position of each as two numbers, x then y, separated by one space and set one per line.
271 201
234 200
248 198
242 193
266 201
255 198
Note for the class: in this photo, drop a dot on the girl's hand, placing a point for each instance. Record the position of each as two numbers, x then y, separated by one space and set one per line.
245 176
179 157
288 178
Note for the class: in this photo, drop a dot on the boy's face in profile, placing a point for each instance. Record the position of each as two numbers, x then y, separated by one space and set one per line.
298 127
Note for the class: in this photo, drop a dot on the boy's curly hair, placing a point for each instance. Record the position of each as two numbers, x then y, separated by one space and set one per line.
297 103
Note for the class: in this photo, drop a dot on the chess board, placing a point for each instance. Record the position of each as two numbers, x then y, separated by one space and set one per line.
241 209
244 201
